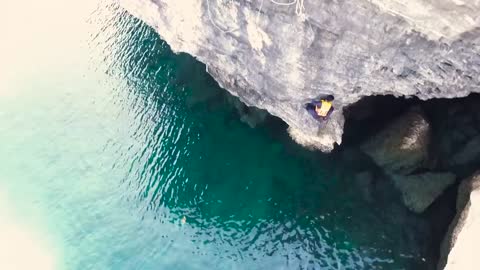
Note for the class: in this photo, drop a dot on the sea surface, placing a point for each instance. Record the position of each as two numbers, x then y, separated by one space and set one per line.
116 153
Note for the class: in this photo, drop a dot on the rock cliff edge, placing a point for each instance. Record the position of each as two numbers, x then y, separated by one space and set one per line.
279 55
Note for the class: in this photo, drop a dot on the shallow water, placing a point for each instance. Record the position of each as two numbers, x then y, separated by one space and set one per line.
117 154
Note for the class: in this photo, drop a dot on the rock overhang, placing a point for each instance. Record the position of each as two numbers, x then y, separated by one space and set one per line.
277 57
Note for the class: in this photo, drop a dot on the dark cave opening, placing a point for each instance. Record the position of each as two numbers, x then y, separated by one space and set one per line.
454 145
455 127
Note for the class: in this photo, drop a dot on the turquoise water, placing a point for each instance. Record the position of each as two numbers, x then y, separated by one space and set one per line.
117 154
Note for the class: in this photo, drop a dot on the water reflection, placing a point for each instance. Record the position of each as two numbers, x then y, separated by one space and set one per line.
120 140
239 189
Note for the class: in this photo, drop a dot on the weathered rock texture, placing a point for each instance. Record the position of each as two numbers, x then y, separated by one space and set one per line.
460 246
402 146
275 58
419 191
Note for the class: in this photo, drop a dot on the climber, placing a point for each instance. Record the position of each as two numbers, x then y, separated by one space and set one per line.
320 108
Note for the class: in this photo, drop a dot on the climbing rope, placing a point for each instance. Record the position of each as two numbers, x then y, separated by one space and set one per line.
299 10
299 5
213 22
258 13
284 4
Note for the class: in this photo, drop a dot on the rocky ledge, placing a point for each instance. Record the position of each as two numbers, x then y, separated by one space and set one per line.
278 55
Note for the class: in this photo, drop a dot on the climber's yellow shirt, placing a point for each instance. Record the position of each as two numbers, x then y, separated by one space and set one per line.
324 109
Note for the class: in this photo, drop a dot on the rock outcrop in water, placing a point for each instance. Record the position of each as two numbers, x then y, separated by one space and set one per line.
278 56
420 190
459 249
403 146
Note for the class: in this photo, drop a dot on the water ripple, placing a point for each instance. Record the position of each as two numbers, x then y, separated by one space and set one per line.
235 193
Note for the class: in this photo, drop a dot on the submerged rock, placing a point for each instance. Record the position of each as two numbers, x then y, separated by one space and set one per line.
459 248
402 146
421 190
251 116
278 57
468 153
364 181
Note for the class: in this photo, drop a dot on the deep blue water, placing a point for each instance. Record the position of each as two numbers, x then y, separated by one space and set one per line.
118 154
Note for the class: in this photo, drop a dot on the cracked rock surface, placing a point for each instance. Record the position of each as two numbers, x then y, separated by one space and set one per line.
278 57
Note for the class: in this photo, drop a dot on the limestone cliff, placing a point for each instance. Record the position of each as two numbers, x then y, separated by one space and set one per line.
277 55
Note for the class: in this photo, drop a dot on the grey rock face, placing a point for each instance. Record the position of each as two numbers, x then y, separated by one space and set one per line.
278 57
401 147
459 248
419 191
